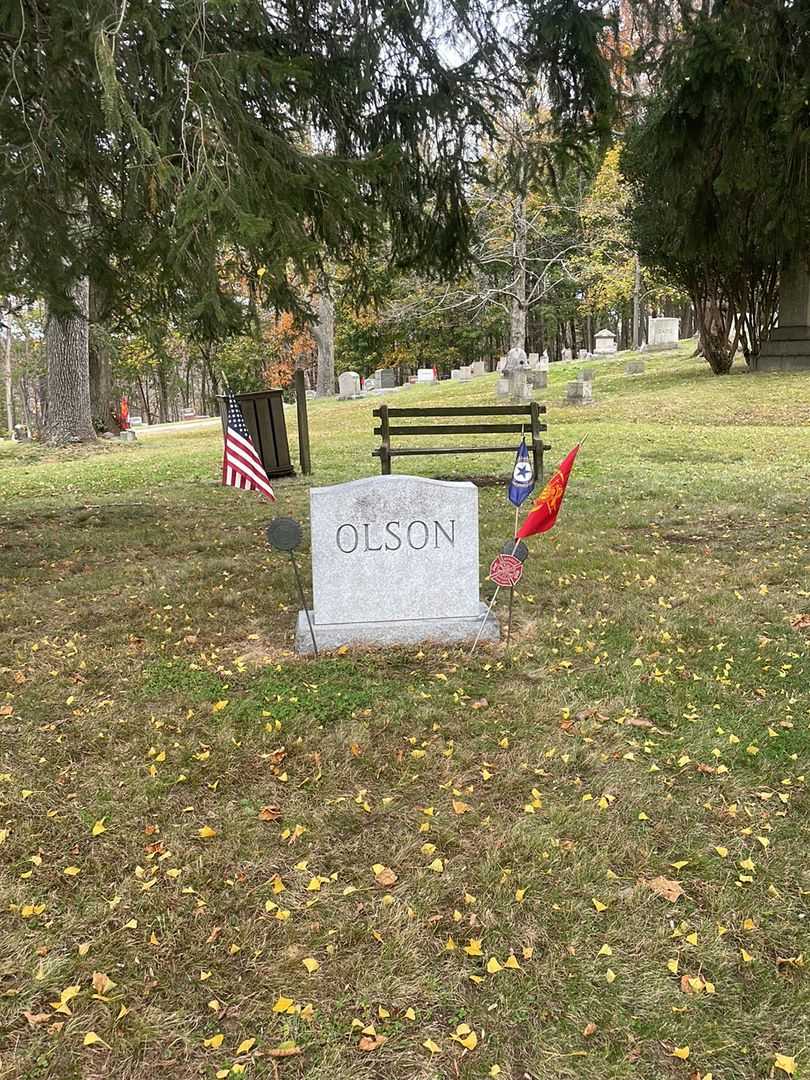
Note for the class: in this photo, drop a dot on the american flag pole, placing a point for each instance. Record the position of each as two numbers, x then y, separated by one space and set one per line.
242 467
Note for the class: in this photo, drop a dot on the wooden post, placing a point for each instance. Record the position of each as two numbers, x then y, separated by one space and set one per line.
303 423
537 443
385 446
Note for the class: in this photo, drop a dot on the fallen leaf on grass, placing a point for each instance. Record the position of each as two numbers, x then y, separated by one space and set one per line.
666 888
91 1039
589 1029
207 833
785 1063
245 1046
271 812
36 1018
311 964
681 1052
384 875
371 1042
285 1050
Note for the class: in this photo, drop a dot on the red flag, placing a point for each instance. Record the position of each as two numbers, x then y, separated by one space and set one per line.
546 506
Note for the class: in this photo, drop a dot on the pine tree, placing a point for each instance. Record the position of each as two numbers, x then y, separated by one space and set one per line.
142 139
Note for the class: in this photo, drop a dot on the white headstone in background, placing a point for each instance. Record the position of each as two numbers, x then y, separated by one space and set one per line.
425 374
605 342
394 561
501 365
348 385
478 367
663 333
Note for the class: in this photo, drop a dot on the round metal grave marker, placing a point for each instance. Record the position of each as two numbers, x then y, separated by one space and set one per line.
284 534
506 570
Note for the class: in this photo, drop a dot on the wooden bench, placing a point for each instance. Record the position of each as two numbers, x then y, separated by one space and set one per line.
526 417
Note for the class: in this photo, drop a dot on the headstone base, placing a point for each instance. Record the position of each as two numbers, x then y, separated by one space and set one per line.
787 349
332 636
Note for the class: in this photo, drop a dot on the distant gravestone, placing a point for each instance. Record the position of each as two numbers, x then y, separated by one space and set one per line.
578 392
501 365
394 561
127 435
534 361
478 367
426 375
567 354
605 343
385 378
662 334
586 375
634 367
348 385
462 374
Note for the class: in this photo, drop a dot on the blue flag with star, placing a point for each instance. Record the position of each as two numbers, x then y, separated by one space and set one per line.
522 482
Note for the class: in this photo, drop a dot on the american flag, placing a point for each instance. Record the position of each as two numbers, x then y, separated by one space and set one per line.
241 465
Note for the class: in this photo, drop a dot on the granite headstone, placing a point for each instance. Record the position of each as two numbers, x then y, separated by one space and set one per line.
394 561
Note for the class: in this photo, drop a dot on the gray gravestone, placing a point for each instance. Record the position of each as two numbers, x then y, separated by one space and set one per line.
634 367
586 375
385 378
394 562
477 367
578 393
348 385
662 334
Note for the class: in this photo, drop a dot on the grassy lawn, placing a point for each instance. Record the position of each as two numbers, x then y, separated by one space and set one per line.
585 859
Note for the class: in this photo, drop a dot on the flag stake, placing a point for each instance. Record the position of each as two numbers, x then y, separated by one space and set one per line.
509 623
304 603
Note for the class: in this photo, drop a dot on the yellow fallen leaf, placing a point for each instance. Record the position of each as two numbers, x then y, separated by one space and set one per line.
511 962
91 1039
437 866
520 895
218 706
84 948
474 947
785 1063
598 905
672 965
215 1041
460 807
245 1047
722 851
681 1052
610 975
410 1014
206 832
465 1036
282 1004
72 871
692 938
493 967
430 1045
311 964
605 950
99 827
746 956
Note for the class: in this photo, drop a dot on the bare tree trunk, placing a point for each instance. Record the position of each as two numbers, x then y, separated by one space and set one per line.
324 333
101 390
637 307
8 381
520 234
70 417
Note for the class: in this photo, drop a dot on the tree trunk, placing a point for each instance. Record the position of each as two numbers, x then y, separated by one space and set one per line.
70 417
714 324
520 234
574 347
637 307
102 404
8 381
324 333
